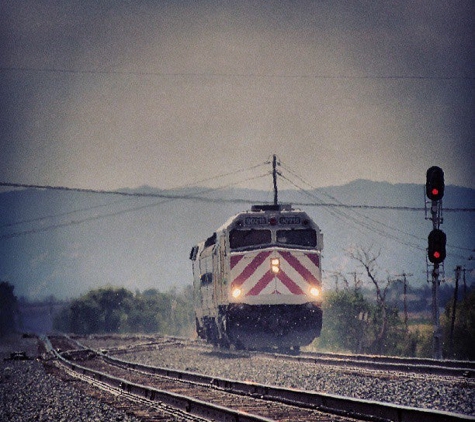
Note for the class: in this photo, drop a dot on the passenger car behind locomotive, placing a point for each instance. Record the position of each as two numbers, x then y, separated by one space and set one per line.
257 280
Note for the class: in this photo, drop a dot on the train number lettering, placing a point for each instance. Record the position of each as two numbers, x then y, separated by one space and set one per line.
254 221
292 219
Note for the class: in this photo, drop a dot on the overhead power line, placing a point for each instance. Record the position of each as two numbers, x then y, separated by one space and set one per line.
359 224
220 176
165 199
232 75
47 217
360 221
207 199
108 204
357 220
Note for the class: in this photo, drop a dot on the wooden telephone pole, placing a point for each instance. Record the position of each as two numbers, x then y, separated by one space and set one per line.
274 177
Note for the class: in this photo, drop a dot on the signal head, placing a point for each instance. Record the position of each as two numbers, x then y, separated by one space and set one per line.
435 184
436 251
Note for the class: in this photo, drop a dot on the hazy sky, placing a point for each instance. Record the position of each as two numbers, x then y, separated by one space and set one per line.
112 94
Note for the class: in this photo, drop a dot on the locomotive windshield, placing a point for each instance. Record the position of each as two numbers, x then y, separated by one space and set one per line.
307 237
241 238
252 237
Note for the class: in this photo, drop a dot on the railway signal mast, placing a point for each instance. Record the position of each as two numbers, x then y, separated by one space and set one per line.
436 253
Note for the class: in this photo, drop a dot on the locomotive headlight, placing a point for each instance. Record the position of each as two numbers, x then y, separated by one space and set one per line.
314 292
275 265
236 292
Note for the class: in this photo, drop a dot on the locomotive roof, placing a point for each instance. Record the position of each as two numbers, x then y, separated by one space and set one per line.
262 209
272 207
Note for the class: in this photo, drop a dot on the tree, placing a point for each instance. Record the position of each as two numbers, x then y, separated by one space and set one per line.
464 328
368 260
345 325
182 313
102 310
113 310
150 312
114 304
85 316
8 308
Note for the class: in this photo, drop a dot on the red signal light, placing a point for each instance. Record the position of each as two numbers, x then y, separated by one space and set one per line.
437 240
435 184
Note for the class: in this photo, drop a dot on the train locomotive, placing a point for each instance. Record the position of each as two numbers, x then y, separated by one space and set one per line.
257 280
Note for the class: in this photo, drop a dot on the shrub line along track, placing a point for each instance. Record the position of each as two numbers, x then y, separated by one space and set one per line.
331 404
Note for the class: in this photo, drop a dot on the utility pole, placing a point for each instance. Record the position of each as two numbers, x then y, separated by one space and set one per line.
464 283
435 187
404 281
274 177
458 270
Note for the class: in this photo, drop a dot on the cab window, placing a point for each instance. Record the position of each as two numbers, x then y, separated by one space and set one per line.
307 237
252 237
206 278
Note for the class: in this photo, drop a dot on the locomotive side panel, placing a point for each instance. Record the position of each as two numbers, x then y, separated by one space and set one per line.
207 278
210 288
220 270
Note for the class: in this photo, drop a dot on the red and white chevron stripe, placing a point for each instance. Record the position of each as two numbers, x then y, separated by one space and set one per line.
251 272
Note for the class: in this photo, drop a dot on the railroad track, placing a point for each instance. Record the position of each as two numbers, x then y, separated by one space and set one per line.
465 369
214 398
99 382
389 363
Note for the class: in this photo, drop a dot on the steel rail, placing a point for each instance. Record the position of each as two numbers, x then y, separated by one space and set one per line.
132 397
449 363
185 404
368 410
339 405
386 363
456 368
429 366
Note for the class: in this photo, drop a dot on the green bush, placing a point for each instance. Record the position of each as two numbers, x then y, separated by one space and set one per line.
117 310
463 344
353 324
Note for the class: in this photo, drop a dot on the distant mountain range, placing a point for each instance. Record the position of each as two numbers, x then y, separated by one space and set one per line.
65 243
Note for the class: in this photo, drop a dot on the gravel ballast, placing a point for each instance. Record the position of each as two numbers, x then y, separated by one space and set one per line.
422 391
29 393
